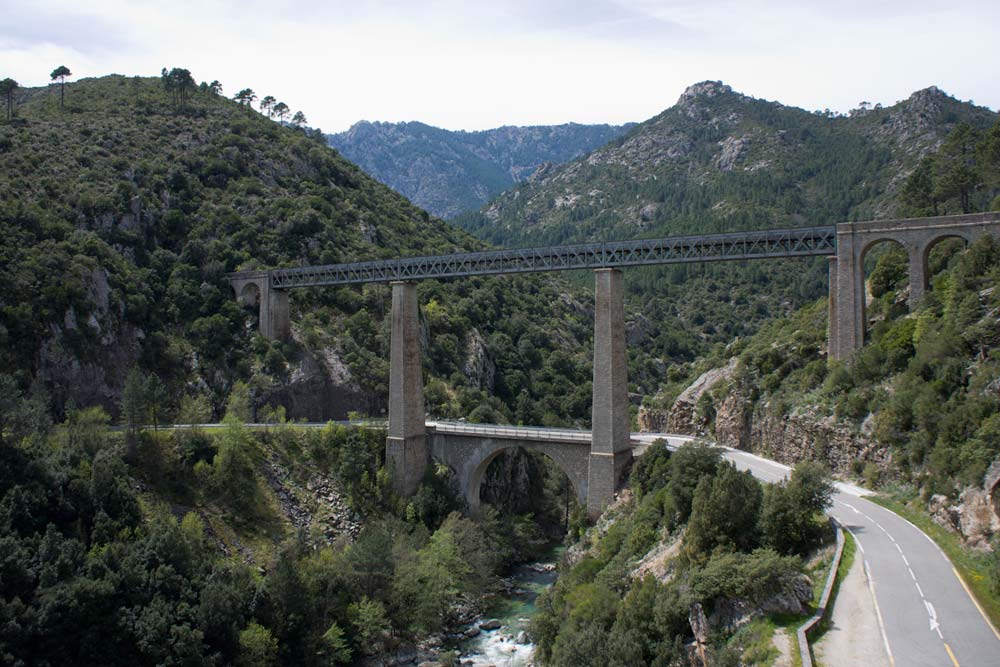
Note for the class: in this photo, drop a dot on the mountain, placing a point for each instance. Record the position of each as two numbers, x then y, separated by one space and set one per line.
122 213
450 172
719 160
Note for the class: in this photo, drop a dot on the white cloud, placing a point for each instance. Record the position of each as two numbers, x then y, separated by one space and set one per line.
473 65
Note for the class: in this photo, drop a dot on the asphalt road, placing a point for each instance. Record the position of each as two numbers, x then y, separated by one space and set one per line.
927 616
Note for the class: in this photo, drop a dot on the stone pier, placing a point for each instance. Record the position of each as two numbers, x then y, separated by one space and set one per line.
406 451
609 452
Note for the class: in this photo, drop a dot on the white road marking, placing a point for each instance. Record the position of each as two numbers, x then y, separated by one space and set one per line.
932 615
856 540
912 576
878 612
906 561
919 590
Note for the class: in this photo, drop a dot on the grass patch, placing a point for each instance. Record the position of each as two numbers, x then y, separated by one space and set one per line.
755 640
974 567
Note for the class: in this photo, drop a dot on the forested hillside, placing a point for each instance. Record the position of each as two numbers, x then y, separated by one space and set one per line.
122 213
719 160
451 172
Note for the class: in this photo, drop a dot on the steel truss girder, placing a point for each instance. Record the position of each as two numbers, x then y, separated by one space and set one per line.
798 242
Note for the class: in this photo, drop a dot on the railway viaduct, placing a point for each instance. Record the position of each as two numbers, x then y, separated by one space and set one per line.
593 461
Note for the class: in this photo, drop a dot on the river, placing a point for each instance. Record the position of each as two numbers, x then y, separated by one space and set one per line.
499 647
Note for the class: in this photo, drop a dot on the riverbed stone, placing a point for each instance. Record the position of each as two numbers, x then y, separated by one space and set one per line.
492 624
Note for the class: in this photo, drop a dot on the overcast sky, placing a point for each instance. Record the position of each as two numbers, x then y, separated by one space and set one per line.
474 65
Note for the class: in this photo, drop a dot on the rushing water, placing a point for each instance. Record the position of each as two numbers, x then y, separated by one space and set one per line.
499 647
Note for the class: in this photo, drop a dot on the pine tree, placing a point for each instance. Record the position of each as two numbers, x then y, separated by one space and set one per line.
61 73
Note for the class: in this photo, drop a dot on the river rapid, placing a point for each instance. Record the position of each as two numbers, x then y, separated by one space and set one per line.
500 647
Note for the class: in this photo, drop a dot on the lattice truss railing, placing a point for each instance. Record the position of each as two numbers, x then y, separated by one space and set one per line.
800 242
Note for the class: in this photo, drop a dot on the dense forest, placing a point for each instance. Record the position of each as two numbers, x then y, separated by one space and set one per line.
121 548
123 212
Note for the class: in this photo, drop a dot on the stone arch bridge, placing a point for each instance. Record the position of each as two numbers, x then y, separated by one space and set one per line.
593 461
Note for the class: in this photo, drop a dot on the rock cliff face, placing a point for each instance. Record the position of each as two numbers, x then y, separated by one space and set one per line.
759 426
113 348
319 388
807 434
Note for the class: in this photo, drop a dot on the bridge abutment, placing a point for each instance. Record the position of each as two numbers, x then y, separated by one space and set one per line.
609 451
251 286
406 450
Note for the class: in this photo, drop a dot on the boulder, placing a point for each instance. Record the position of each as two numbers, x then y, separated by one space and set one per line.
522 638
492 624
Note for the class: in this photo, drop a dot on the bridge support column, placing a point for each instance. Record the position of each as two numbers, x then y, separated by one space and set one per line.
831 329
406 450
918 274
847 293
609 452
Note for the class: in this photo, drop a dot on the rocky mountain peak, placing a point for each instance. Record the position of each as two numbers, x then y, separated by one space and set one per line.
705 89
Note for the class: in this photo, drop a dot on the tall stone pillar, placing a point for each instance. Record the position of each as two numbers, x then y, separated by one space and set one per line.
918 273
609 451
831 328
406 450
274 320
850 293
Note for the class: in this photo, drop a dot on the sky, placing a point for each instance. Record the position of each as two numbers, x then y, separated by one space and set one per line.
479 64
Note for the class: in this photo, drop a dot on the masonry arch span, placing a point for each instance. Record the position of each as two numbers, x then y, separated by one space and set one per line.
938 251
885 265
249 295
474 488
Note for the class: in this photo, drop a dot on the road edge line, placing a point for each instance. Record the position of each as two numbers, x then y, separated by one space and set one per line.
878 613
979 608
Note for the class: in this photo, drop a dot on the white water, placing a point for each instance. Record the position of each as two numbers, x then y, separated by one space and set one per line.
498 647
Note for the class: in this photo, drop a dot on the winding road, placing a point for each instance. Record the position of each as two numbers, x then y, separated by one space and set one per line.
927 615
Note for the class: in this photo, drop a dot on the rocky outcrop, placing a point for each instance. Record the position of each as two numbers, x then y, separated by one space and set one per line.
112 349
685 415
763 427
320 387
732 148
805 434
975 514
318 508
478 367
793 595
651 420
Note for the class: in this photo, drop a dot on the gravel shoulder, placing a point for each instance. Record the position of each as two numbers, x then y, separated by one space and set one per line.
854 637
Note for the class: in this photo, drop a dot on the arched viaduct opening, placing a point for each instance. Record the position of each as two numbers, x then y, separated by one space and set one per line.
928 245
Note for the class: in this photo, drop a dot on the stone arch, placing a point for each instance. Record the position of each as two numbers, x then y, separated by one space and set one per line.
928 246
248 295
478 472
863 252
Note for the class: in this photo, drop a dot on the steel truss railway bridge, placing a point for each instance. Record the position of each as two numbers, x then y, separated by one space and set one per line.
594 464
